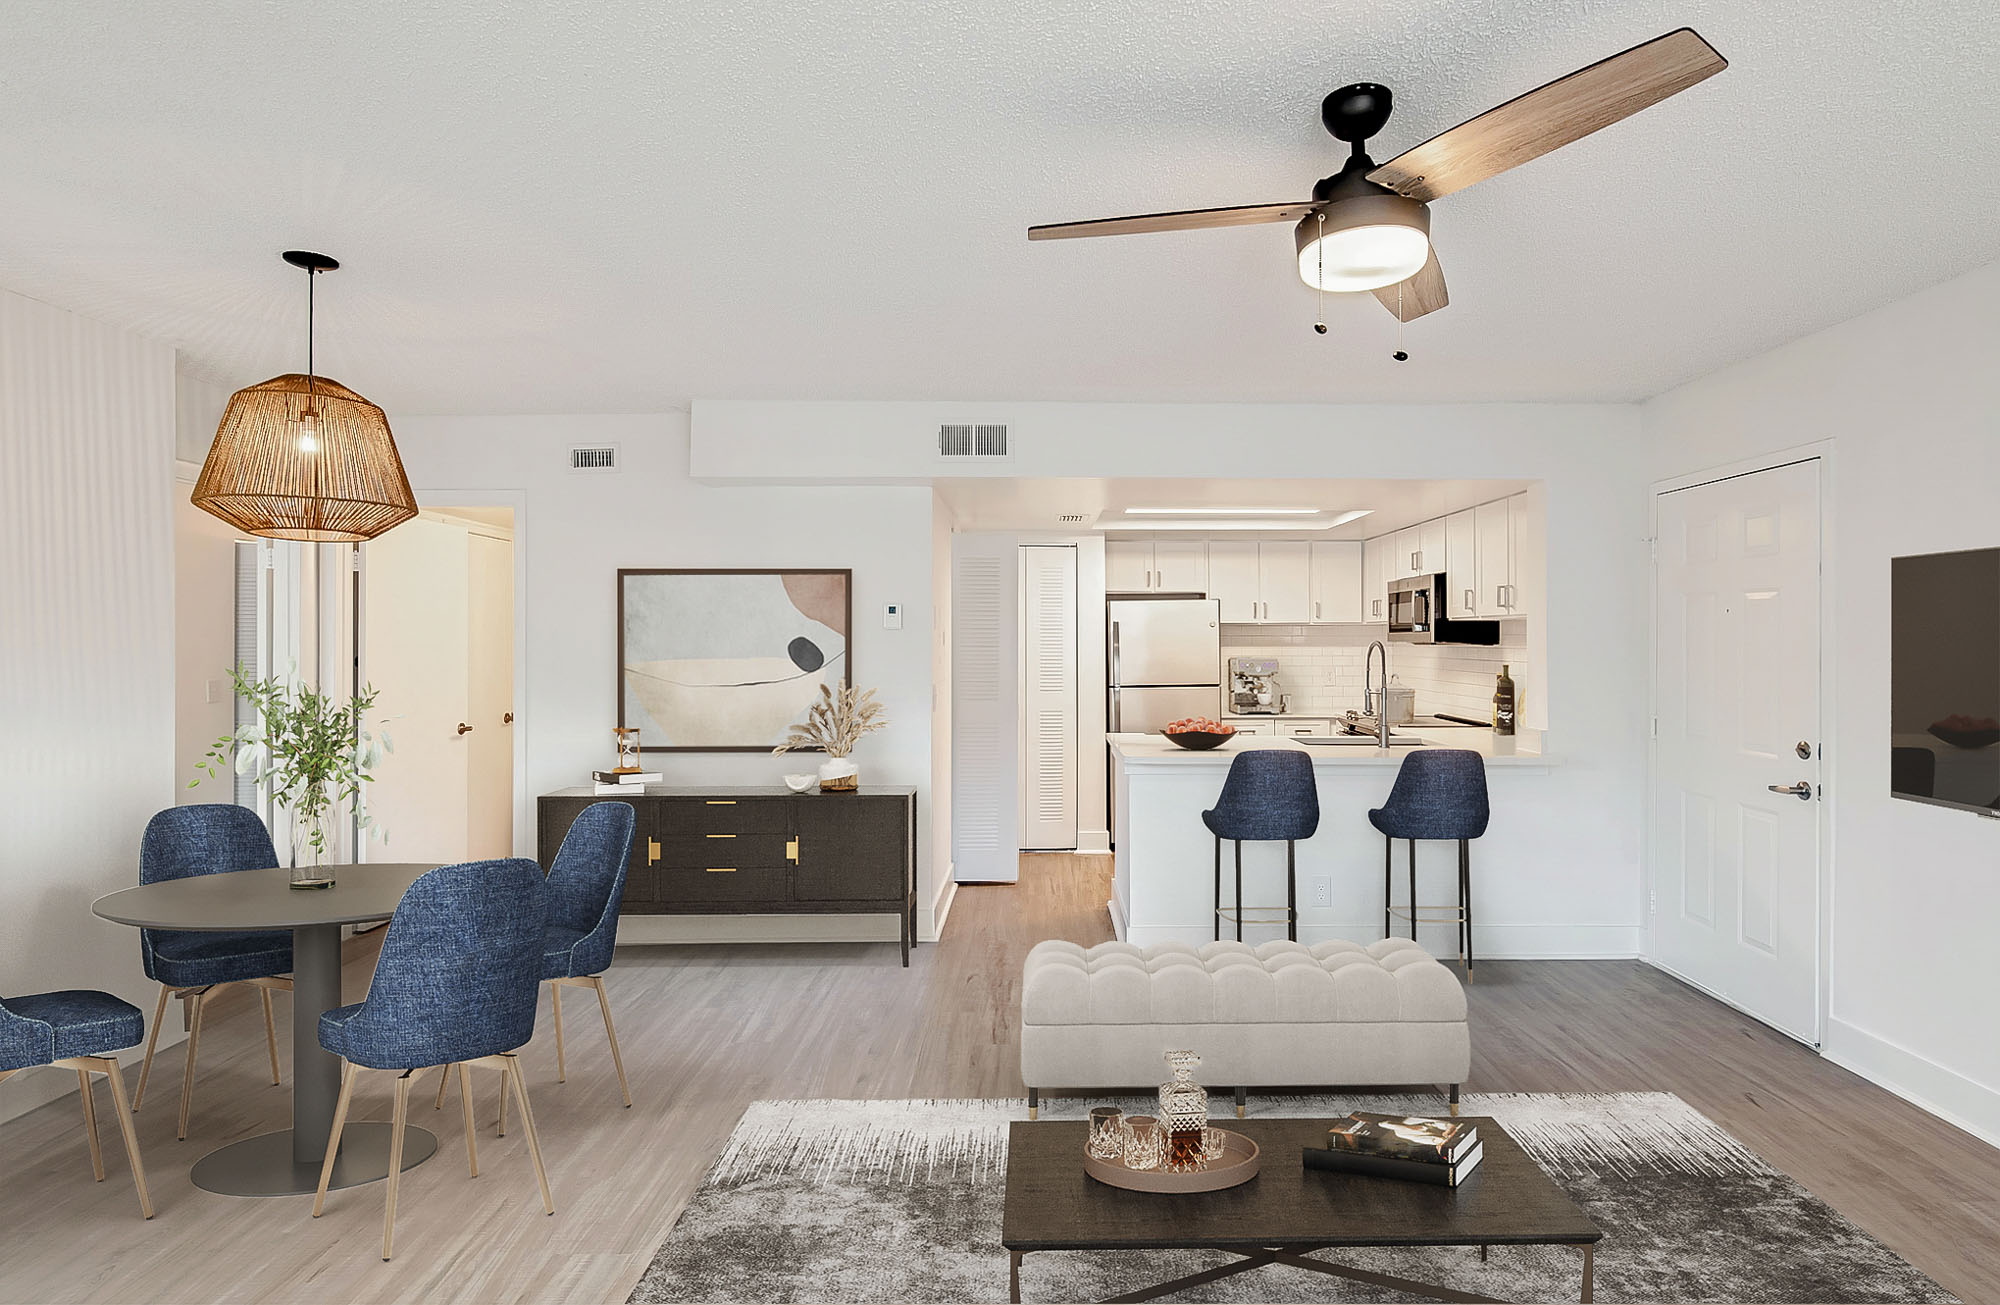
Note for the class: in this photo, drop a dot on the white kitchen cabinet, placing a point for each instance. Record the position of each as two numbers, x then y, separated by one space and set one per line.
1495 558
1375 577
1523 566
1180 566
1254 724
1296 727
1461 565
1336 582
1284 583
1128 566
1430 547
1233 580
1405 555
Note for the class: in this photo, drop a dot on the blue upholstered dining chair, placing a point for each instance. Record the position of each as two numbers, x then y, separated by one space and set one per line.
586 884
455 985
1439 793
182 842
78 1030
1269 795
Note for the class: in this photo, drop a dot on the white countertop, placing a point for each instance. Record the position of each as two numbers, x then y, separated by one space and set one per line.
1151 749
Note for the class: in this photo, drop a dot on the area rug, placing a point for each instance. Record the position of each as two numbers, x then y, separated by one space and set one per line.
901 1201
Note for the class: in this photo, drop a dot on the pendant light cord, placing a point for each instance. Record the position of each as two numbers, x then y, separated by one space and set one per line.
312 277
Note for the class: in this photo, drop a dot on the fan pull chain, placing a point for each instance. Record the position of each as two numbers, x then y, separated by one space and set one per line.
1399 355
1319 252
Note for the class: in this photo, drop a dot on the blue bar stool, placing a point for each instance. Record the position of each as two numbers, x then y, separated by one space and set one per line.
1440 793
1269 795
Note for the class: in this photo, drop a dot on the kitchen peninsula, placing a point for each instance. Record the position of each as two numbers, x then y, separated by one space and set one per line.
1163 885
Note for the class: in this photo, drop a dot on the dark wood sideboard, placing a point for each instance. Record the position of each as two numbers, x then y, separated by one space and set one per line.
760 851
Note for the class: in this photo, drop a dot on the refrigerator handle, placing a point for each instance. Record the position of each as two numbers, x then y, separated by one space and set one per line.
1117 710
1115 677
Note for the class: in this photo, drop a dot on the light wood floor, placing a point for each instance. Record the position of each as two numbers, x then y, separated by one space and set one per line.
706 1030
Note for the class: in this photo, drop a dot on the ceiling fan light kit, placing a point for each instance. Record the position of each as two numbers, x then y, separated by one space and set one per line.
303 457
1367 227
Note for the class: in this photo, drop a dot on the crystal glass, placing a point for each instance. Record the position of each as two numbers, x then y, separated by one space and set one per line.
1184 1115
628 749
1107 1133
1143 1142
1213 1144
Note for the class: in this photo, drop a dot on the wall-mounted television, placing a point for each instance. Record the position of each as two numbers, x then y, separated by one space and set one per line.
1944 697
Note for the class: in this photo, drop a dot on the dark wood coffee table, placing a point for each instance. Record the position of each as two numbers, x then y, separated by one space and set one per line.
1283 1215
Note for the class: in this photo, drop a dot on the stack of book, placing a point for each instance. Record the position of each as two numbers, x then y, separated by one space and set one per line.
611 783
1440 1151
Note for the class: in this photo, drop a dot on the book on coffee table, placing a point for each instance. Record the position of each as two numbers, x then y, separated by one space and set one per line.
1403 1137
1382 1166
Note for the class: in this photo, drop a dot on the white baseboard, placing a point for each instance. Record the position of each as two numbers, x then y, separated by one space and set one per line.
675 930
1093 842
1491 942
941 908
1946 1093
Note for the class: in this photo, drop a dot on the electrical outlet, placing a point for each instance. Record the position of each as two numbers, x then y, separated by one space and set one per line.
1322 890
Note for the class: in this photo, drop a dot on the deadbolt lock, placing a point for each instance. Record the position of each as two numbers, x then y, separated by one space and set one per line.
1804 750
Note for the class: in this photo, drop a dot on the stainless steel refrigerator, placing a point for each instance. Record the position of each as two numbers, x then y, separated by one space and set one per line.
1165 661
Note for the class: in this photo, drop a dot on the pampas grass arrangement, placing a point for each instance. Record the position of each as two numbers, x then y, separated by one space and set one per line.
836 722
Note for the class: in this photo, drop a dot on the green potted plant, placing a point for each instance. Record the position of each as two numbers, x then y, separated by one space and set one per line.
315 752
834 725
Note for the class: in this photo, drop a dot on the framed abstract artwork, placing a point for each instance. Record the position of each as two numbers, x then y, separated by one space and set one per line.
726 661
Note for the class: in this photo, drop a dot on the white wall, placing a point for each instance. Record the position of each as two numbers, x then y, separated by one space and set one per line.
86 694
1592 621
575 530
1910 396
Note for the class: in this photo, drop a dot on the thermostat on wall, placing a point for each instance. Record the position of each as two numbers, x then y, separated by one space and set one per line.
892 616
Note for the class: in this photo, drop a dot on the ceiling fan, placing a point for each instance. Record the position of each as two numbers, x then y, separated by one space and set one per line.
1367 227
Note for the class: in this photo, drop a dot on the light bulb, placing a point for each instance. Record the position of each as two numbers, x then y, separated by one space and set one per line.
308 429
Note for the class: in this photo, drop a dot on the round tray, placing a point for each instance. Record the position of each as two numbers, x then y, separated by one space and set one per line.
1239 1163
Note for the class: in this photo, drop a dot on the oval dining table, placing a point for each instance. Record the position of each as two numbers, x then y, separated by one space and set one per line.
288 1162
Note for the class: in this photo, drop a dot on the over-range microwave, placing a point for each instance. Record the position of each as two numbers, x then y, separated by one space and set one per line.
1416 615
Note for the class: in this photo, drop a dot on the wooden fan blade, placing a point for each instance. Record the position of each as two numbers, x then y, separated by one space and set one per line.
1419 294
1193 219
1551 116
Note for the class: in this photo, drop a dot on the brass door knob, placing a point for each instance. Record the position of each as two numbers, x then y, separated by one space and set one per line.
508 719
463 728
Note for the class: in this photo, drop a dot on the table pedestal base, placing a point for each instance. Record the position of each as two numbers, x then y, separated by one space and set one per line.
263 1166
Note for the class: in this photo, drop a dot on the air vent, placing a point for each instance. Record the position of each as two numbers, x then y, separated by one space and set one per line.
966 441
604 457
1074 518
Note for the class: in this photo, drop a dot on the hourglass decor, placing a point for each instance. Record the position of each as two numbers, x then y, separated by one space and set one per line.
628 750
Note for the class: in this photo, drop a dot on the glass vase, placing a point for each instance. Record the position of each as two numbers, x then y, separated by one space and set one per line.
1184 1115
309 868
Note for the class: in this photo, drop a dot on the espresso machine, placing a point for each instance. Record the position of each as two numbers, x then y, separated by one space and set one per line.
1253 687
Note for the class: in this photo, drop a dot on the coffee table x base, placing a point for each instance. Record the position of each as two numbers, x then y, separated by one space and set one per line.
1297 1257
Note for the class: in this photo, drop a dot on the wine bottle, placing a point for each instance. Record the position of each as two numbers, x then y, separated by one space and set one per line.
1503 702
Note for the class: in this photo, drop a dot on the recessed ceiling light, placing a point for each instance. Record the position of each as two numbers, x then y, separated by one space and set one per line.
1222 511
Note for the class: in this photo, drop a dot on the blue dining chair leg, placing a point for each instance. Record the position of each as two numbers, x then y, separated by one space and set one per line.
1239 890
152 1040
90 1123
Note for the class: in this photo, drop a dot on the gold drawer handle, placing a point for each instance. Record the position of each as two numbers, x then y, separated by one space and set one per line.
792 851
720 802
652 851
722 869
718 835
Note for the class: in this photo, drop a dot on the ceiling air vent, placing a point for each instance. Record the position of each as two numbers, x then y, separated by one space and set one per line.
604 457
1073 518
967 441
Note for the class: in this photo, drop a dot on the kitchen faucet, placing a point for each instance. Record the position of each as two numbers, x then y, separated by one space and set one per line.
1368 692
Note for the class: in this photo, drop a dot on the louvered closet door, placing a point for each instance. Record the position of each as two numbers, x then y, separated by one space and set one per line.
985 830
1048 697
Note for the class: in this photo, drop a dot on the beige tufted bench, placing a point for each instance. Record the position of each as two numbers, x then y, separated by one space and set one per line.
1277 1014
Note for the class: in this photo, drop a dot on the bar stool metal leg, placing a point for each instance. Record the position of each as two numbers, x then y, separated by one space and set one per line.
1465 899
1239 890
1291 891
1388 873
1413 890
1218 888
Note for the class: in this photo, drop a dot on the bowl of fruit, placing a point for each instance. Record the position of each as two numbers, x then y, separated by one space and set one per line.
1967 731
1198 733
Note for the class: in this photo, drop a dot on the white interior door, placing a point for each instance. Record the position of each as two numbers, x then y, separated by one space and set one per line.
1736 864
489 794
1048 697
415 623
985 817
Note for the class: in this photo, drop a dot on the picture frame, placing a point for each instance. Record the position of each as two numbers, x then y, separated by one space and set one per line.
725 659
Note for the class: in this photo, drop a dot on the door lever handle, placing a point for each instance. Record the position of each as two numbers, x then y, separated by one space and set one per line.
463 728
1801 790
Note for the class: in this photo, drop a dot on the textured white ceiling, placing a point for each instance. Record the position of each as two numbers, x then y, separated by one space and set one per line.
610 205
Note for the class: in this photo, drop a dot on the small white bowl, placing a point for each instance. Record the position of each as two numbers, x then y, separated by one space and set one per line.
800 783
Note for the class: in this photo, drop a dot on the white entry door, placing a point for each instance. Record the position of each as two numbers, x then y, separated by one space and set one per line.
1736 861
1048 697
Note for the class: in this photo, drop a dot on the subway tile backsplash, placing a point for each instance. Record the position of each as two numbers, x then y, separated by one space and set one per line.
1322 666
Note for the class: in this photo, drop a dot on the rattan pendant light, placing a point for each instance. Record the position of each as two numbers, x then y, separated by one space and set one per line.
304 457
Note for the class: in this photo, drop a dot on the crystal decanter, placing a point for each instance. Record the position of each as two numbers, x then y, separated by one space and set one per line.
1184 1114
